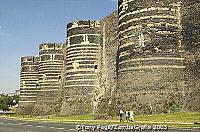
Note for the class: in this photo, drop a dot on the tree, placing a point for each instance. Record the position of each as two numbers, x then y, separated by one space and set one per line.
8 101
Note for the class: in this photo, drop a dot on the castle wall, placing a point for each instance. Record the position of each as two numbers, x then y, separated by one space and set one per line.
150 67
109 47
50 78
29 76
81 67
190 21
191 39
144 57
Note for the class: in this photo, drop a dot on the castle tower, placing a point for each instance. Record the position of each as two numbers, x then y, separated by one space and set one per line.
150 66
81 67
50 78
28 83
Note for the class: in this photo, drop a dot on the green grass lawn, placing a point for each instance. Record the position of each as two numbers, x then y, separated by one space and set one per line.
180 120
175 117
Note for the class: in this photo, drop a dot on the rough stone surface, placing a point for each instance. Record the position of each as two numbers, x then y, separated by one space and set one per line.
191 25
191 40
109 47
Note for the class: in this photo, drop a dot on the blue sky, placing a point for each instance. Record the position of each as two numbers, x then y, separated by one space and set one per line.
24 24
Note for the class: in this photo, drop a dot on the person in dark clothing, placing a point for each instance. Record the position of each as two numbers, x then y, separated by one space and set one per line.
121 115
129 115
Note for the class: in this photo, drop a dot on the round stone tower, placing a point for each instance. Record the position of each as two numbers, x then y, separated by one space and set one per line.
28 83
50 78
150 66
81 67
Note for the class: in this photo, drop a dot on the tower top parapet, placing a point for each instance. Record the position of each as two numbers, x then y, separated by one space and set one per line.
83 23
29 58
50 46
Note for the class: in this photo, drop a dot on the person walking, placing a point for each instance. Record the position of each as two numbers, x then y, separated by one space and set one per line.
131 116
121 115
127 116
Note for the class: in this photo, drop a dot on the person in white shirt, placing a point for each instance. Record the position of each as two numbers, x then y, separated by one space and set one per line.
131 116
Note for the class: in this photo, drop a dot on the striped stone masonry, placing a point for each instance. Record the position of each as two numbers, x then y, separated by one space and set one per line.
150 67
50 76
29 78
143 57
81 67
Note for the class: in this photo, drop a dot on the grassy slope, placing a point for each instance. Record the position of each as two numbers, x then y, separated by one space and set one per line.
181 120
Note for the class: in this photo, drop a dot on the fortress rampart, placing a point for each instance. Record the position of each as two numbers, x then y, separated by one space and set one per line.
108 69
143 57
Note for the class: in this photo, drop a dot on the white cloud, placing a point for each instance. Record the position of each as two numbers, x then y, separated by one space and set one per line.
0 27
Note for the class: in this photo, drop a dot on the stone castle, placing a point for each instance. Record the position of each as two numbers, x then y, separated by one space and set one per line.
143 57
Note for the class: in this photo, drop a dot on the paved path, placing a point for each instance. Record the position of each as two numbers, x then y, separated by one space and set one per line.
10 125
